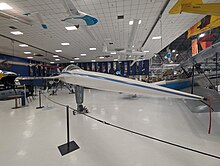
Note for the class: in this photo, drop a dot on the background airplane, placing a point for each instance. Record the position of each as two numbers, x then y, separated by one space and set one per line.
196 7
39 18
8 89
78 18
201 56
130 52
23 18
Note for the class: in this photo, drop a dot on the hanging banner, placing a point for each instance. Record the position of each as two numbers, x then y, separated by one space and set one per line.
195 47
205 44
207 23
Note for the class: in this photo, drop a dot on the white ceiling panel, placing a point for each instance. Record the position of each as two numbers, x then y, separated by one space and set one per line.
108 27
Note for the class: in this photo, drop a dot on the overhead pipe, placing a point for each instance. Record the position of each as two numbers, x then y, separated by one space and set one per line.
11 17
157 20
33 46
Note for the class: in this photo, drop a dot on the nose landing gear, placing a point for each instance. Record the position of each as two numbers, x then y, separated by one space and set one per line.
79 94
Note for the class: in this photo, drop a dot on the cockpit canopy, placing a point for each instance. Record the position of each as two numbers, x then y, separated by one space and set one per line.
71 67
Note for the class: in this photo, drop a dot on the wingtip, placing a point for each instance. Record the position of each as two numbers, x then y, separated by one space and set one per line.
174 12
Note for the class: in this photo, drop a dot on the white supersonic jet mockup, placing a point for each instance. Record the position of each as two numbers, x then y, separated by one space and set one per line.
74 75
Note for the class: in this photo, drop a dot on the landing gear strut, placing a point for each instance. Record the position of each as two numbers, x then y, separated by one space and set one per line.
61 84
79 94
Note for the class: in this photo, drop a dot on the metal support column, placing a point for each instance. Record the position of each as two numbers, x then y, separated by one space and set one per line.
192 86
216 65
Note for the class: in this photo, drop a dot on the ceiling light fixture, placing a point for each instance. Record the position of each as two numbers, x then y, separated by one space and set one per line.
65 44
131 22
17 33
93 60
101 57
57 59
113 53
71 28
139 22
30 57
83 54
5 6
76 58
92 49
156 37
115 59
27 52
55 56
146 51
72 61
23 45
202 35
52 62
58 51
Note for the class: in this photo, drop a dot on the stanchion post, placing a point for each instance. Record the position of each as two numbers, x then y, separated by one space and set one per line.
68 125
35 90
69 146
210 114
40 106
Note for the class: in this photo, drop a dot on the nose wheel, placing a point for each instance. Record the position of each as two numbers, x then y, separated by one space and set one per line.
81 110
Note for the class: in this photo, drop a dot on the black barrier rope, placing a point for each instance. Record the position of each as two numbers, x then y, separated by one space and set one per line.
54 101
154 138
208 105
144 135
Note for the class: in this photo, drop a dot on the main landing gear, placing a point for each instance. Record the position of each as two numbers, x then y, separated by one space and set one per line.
61 85
79 94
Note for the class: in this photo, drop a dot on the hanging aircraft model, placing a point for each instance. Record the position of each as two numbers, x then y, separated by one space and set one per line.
130 53
72 74
196 7
22 18
39 18
79 18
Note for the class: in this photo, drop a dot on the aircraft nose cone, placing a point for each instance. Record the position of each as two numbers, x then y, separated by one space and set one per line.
90 20
95 20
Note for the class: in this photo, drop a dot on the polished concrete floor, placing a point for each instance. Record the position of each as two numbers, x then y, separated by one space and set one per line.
30 137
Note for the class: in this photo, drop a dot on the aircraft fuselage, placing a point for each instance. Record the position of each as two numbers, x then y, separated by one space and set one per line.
114 83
